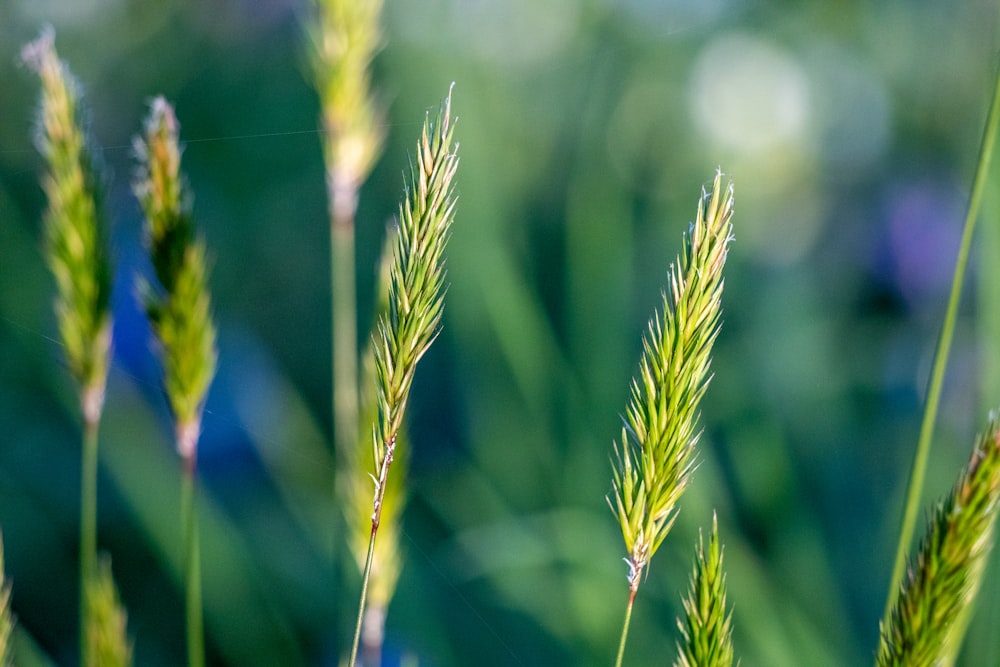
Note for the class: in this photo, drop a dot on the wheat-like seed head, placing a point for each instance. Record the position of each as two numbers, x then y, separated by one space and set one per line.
416 278
653 462
707 625
928 619
345 38
74 228
179 308
404 332
109 644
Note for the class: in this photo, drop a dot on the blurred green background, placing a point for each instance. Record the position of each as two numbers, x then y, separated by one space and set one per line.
587 130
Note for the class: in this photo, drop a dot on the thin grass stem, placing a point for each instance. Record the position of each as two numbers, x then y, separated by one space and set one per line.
919 469
983 648
625 626
192 568
362 599
346 36
344 343
354 490
88 529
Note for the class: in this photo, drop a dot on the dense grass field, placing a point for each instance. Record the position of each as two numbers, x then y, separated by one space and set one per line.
587 131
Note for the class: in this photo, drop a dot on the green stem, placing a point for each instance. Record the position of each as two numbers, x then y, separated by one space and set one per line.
88 530
344 326
628 620
192 567
364 596
344 342
987 649
918 472
380 483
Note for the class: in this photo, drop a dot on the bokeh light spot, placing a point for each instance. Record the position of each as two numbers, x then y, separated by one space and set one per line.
748 95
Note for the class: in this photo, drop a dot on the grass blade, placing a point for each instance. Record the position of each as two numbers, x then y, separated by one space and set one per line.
919 469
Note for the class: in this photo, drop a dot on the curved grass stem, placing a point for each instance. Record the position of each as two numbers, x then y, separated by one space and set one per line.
919 470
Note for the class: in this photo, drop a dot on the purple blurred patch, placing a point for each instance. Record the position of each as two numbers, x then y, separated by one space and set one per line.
924 230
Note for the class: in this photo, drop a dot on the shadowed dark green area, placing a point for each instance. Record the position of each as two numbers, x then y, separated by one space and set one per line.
587 131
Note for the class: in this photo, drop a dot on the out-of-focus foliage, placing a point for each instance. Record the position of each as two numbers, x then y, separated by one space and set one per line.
586 128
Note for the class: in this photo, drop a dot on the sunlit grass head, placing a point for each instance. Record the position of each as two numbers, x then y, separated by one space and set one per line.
75 232
179 306
653 461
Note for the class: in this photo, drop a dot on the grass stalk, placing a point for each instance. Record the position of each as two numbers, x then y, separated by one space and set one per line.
652 467
346 35
345 38
354 487
362 599
919 470
194 627
927 621
982 648
179 310
343 306
76 254
416 303
88 530
625 626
